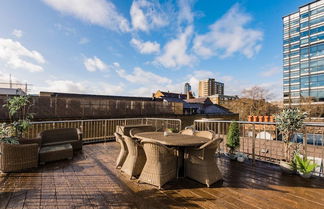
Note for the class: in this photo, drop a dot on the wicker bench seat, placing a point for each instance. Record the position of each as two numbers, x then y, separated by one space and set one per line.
54 153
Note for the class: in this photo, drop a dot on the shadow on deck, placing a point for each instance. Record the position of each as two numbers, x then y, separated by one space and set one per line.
90 180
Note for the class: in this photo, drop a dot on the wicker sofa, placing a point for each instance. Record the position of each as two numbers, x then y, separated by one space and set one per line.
16 157
61 136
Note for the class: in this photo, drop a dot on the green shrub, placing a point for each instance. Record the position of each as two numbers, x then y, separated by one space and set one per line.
233 137
304 165
18 108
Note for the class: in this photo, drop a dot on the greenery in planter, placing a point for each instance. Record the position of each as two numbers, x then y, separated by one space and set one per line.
18 108
233 137
7 134
288 122
171 130
304 165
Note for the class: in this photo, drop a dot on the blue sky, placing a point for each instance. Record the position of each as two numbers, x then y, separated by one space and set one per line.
137 47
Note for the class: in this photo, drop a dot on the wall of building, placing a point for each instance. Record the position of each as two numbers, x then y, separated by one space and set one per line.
56 108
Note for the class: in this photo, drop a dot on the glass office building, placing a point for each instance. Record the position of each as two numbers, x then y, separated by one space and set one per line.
303 55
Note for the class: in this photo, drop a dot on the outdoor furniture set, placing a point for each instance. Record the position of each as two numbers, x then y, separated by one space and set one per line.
50 145
156 158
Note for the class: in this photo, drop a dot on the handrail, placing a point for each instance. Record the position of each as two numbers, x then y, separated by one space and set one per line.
251 122
263 141
100 129
110 119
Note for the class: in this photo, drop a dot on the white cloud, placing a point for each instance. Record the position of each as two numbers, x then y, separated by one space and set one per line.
175 52
229 35
94 64
145 47
83 40
16 56
17 33
146 15
140 76
185 11
84 87
271 72
99 12
65 29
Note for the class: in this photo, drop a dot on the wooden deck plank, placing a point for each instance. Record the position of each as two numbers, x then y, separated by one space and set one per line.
91 180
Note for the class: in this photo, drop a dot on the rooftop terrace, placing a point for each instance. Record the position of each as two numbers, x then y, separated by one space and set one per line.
90 180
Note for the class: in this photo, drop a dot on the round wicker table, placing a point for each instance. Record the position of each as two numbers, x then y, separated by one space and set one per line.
178 141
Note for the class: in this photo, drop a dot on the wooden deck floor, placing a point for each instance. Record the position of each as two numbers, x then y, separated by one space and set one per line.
91 181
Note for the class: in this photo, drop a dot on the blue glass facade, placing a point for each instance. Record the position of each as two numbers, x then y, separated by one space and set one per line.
303 54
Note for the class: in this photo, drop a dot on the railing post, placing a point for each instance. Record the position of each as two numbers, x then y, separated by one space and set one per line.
305 142
106 130
253 144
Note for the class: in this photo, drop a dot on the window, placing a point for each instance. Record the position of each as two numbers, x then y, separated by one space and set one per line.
314 30
304 24
294 67
303 34
294 46
294 80
317 20
294 60
295 94
304 41
296 73
294 87
304 52
304 93
305 15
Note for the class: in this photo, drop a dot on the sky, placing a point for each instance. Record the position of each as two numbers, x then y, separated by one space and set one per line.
134 48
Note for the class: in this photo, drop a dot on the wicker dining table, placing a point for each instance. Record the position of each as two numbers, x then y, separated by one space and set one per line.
175 140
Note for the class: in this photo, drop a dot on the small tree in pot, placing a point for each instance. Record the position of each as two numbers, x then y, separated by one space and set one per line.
233 139
18 108
288 122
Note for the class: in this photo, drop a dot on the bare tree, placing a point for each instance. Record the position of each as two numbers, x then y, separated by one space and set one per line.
253 102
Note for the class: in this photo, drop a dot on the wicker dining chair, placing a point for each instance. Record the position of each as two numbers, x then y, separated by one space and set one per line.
201 165
135 159
206 134
134 131
161 164
123 151
187 132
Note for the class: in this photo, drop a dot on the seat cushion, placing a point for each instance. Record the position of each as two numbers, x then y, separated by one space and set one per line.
57 152
58 143
55 148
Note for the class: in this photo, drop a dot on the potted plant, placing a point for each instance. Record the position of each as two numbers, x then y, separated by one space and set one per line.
305 167
233 139
288 122
241 157
7 133
20 117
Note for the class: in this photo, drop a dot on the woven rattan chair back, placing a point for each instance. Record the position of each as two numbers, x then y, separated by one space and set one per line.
134 131
206 134
123 151
160 166
135 159
189 132
201 165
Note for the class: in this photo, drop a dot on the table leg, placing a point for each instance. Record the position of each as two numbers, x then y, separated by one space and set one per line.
180 163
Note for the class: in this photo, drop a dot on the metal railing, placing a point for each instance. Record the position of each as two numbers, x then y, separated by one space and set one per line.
262 140
101 129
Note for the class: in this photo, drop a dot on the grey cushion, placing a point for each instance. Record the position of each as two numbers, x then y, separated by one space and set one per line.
55 148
